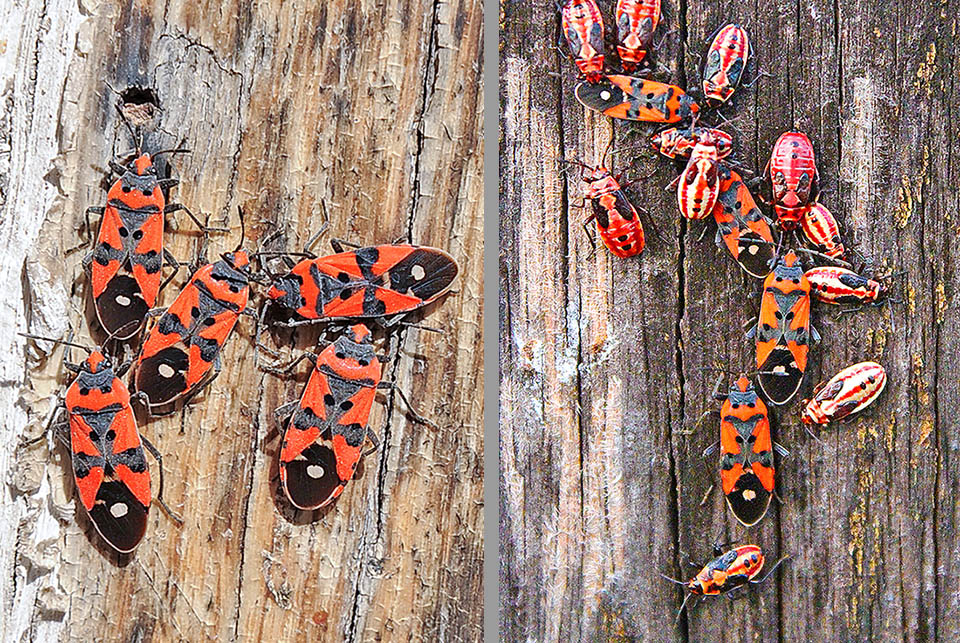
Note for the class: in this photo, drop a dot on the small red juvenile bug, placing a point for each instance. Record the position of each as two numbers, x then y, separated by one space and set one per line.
109 466
617 220
699 185
583 28
747 470
726 572
792 171
375 282
849 391
636 22
724 63
637 99
741 226
680 141
184 345
833 285
823 231
783 330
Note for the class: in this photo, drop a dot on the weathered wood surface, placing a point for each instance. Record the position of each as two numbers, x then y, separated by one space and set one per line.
371 108
602 359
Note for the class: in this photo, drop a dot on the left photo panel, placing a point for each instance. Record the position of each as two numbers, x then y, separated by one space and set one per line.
243 385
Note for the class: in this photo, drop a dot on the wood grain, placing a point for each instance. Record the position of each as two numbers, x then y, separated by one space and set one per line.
604 362
364 114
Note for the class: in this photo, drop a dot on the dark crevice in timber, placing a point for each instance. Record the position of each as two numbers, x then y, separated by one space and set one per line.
566 248
251 480
938 465
431 62
678 348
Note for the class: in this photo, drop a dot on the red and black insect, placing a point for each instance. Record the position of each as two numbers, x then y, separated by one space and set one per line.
109 466
699 185
617 220
833 285
680 141
375 282
184 345
747 470
823 231
726 572
741 226
849 391
127 261
783 330
636 22
637 99
324 438
792 172
724 63
583 29
327 428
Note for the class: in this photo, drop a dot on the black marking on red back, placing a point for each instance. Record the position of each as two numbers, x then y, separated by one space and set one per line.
780 387
749 512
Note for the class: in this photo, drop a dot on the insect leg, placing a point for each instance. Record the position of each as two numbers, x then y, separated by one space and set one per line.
156 454
413 414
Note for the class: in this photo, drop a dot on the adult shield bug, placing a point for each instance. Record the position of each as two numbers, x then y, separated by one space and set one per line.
849 391
741 226
747 471
637 99
109 467
783 330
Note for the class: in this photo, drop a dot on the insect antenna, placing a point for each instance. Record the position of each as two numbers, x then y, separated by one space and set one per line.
772 569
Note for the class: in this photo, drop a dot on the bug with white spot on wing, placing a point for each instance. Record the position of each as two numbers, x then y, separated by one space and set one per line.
109 466
376 282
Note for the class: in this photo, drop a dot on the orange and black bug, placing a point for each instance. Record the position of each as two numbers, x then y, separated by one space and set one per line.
726 572
583 29
747 469
184 345
833 285
792 172
783 330
849 391
724 63
109 466
822 230
680 141
128 256
375 282
617 220
327 428
699 185
637 99
741 226
636 22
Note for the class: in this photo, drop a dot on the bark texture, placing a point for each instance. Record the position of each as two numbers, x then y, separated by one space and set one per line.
366 113
602 360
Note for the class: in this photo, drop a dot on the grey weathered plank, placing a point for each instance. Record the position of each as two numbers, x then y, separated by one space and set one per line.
869 515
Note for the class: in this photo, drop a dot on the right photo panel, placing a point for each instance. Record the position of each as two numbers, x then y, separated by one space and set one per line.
729 343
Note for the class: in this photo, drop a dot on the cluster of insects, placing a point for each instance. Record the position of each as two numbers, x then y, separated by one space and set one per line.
178 353
765 247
